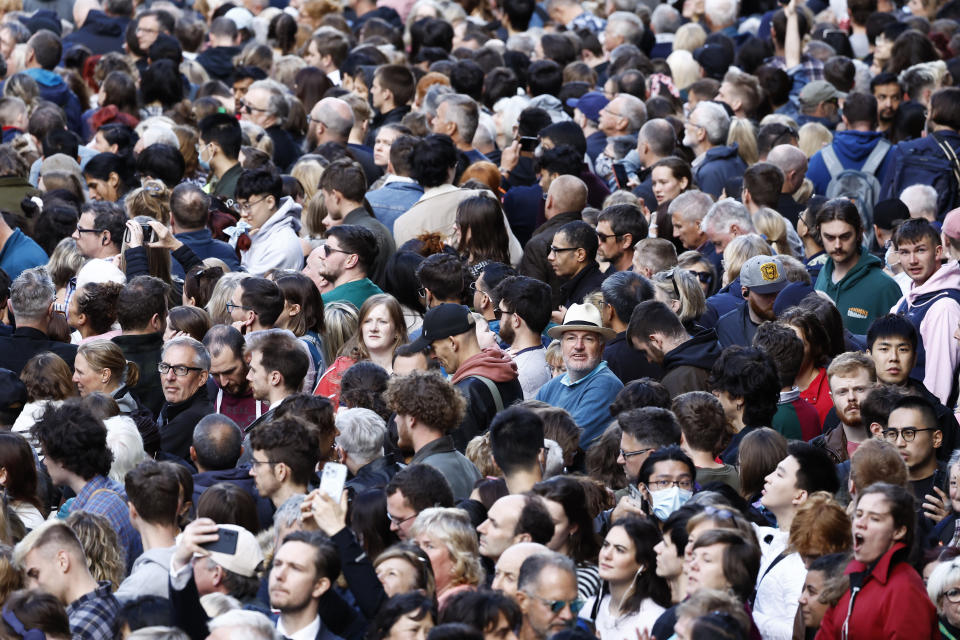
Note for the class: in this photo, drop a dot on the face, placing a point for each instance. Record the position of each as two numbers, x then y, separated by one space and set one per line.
672 471
874 530
497 531
955 487
692 131
147 31
780 487
617 561
87 379
401 514
312 267
263 472
378 331
100 144
609 248
728 95
704 275
240 88
633 454
562 529
381 146
666 186
920 260
409 628
7 43
762 304
894 357
841 241
377 94
230 372
719 238
688 231
921 453
256 108
610 117
669 560
89 240
485 336
256 209
397 576
402 365
848 392
553 585
440 558
888 99
563 256
732 406
446 354
581 351
258 377
441 123
706 569
501 630
293 578
333 261
42 571
180 388
811 608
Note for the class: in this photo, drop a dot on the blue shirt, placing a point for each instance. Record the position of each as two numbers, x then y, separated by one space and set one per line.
587 399
20 253
202 243
107 498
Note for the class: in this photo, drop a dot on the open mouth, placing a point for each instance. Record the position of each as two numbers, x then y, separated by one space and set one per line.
857 542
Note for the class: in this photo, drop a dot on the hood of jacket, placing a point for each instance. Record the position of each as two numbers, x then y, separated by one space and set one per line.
722 152
864 266
237 475
490 363
701 350
946 277
286 215
551 105
101 24
47 79
855 146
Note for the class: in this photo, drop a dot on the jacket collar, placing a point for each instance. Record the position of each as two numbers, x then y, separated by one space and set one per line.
883 567
574 282
443 444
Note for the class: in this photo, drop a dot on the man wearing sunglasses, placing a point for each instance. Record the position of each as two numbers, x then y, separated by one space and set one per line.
345 262
547 595
265 105
184 365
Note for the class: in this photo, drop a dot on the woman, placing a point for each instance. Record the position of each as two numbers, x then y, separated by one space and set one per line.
193 322
633 596
93 310
369 521
18 476
101 546
773 226
109 177
385 137
760 452
738 251
409 616
450 540
198 285
404 568
481 234
670 551
823 587
669 178
694 262
48 380
812 377
884 526
573 533
101 367
943 587
303 314
680 290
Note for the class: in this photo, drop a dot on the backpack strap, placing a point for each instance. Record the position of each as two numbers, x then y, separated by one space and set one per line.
832 161
951 156
494 391
875 159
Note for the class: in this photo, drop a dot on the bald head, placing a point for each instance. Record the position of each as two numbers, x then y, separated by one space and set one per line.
792 162
217 443
508 566
336 117
566 193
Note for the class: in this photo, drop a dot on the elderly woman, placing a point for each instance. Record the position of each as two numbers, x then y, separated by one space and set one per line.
943 587
450 541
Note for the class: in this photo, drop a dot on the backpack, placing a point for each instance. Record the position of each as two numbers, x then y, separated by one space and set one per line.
940 170
915 315
860 185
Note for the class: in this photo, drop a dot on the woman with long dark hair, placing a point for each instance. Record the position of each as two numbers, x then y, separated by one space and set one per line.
482 234
18 476
303 314
109 177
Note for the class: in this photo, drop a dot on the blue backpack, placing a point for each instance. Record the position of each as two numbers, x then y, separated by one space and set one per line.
916 166
915 315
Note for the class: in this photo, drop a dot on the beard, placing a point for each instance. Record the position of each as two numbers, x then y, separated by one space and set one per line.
507 334
762 312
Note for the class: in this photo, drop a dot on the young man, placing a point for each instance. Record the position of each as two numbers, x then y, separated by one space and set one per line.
220 141
761 279
619 228
274 243
184 367
256 305
516 441
277 366
796 419
412 490
524 312
622 292
346 262
228 369
573 256
851 377
284 459
703 425
142 314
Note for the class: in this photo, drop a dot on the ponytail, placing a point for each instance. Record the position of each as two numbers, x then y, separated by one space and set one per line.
131 374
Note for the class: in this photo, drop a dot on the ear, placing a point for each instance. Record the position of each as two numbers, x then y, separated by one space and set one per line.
937 439
193 455
63 561
900 533
801 497
523 601
939 251
523 537
294 310
3 475
133 509
217 577
876 429
113 179
321 587
275 378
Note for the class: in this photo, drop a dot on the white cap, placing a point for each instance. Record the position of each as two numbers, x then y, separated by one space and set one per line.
240 16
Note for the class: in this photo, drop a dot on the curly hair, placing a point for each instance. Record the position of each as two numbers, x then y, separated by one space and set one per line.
452 528
47 377
101 547
98 302
363 385
290 441
820 527
429 398
73 436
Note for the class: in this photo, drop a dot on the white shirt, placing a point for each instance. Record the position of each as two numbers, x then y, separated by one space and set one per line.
779 590
623 627
309 632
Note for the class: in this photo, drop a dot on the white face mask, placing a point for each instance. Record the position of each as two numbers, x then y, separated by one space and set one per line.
666 501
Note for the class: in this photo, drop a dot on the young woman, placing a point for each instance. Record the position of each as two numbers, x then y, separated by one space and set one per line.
18 476
303 315
482 234
100 366
47 378
680 290
109 177
812 377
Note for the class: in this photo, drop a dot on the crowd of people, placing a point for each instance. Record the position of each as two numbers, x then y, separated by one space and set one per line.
479 319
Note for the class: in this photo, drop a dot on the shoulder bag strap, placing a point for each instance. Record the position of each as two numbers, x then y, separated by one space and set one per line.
951 156
875 159
834 167
494 391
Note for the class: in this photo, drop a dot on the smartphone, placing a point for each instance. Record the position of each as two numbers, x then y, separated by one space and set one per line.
332 480
528 143
637 495
225 543
620 172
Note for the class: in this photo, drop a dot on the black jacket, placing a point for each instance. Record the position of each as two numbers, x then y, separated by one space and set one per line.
586 281
241 477
628 363
176 422
394 116
100 33
285 149
687 366
25 343
534 262
481 407
144 351
218 61
376 474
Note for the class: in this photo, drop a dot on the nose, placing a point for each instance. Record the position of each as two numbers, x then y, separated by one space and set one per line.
170 375
620 459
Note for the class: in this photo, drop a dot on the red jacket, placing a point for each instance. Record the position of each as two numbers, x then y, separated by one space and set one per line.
892 604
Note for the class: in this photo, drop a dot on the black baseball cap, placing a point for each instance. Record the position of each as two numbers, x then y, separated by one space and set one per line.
443 321
888 214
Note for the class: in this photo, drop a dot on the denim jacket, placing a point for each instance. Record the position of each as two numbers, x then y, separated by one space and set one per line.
393 200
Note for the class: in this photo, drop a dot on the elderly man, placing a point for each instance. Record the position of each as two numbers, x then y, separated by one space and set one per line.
588 387
360 447
32 296
623 116
458 117
547 595
184 367
687 212
706 133
725 221
266 105
331 120
794 163
508 565
921 201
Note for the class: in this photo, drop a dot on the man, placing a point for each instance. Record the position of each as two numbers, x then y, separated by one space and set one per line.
343 185
921 202
524 311
741 92
100 230
622 291
443 279
932 305
492 613
360 447
142 314
484 302
703 425
458 117
851 377
793 163
573 256
623 116
220 140
653 255
32 296
806 470
347 261
858 147
184 366
277 365
74 445
761 279
852 277
588 387
399 191
643 431
150 24
99 30
217 58
331 120
512 519
819 102
516 441
256 305
726 220
41 57
796 419
189 212
912 427
18 251
508 566
274 243
705 132
284 458
266 105
228 372
619 228
687 212
547 595
586 113
487 378
413 489
392 91
656 140
428 409
657 332
327 50
889 94
52 559
153 497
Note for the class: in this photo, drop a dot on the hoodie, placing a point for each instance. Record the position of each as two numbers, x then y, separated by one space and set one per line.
552 106
55 90
241 477
276 244
718 165
498 367
940 350
862 295
852 149
100 33
218 61
688 364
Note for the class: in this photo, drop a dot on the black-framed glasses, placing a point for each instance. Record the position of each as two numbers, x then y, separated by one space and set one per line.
672 274
498 313
245 206
658 485
554 249
953 595
399 521
909 434
230 307
326 250
603 237
179 370
630 454
556 606
82 230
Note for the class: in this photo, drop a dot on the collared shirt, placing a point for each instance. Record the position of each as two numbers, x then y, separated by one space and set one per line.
93 616
107 498
812 68
309 632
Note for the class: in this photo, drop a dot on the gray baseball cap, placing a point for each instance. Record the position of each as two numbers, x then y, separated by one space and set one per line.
763 275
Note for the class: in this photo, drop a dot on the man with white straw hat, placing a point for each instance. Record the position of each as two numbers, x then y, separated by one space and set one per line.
588 387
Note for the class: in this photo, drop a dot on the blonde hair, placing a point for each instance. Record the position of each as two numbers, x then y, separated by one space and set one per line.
258 137
452 528
104 354
742 133
222 293
308 170
689 37
64 262
194 72
683 68
151 200
813 137
101 547
480 453
683 285
774 227
126 444
285 70
341 321
738 251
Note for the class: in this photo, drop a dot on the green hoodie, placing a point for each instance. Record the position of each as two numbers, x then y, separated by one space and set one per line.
863 295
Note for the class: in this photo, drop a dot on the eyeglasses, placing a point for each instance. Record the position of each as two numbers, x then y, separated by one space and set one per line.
953 595
145 30
230 307
256 462
82 230
179 370
399 521
719 514
554 249
498 313
603 237
908 434
250 109
704 277
556 606
246 206
630 454
657 485
326 250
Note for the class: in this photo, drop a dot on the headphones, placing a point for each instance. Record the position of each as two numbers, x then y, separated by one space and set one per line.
27 634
